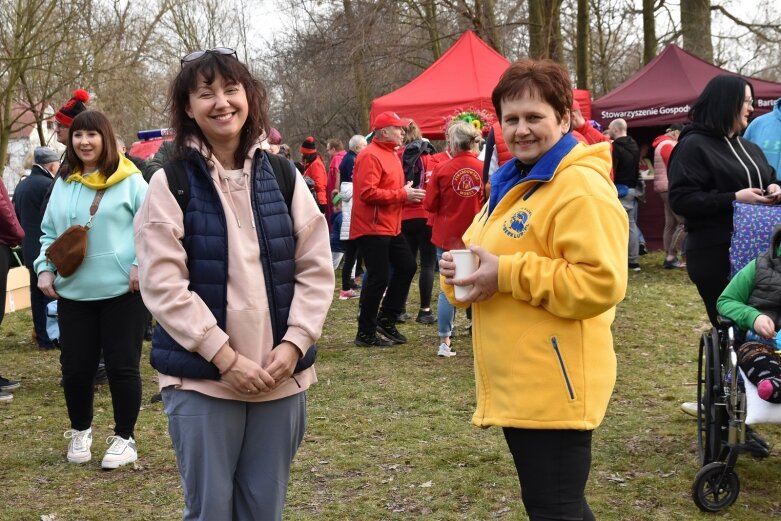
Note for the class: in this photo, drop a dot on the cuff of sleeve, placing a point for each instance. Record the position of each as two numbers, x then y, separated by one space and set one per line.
299 338
212 342
505 282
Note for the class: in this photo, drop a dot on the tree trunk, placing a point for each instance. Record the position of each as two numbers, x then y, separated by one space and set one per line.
485 13
545 39
536 19
695 27
649 31
358 67
552 26
582 54
433 28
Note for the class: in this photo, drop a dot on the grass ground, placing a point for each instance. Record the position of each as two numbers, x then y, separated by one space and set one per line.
389 434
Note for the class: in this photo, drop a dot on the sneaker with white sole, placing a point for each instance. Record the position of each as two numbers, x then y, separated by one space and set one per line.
445 351
121 452
348 294
79 446
690 408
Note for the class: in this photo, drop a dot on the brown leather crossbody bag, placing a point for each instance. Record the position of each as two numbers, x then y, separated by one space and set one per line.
67 252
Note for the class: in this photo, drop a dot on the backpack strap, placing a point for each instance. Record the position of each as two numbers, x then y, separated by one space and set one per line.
286 177
178 182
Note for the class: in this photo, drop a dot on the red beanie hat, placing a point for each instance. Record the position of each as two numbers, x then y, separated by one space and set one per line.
308 146
72 108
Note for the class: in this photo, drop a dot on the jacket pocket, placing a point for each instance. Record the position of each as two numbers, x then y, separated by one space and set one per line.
563 367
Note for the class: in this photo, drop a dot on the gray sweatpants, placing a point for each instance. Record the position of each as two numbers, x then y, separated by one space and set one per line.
234 457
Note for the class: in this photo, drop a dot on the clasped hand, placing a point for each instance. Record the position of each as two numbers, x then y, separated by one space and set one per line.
249 377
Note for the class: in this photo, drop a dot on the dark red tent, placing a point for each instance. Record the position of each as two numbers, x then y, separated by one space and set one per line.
663 91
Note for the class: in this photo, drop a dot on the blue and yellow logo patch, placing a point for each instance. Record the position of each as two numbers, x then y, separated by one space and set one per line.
517 224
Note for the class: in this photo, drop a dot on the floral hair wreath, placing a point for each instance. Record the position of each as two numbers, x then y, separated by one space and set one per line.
479 118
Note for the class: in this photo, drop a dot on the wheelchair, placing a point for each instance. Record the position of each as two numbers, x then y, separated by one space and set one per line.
721 427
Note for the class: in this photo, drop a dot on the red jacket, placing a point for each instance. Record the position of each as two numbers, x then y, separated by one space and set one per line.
378 191
453 196
316 171
591 134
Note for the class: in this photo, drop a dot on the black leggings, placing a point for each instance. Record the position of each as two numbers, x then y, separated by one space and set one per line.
553 467
114 326
708 269
418 235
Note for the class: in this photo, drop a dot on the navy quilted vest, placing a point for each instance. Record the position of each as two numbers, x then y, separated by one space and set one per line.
206 243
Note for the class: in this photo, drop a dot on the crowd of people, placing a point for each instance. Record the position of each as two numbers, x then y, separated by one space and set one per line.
234 248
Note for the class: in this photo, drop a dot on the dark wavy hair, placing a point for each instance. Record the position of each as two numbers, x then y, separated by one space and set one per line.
108 161
231 70
720 103
545 78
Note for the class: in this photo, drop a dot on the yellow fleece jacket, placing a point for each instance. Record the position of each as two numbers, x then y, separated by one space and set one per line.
543 349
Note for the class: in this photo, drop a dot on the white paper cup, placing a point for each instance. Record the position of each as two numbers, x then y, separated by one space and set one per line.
466 264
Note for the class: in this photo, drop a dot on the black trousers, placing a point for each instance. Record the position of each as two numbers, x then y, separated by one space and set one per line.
708 269
114 326
381 253
418 236
5 265
351 258
553 468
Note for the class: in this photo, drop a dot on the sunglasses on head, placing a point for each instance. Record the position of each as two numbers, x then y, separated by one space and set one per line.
197 55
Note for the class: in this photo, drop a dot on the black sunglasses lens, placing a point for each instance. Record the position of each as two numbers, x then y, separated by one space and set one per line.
197 55
193 56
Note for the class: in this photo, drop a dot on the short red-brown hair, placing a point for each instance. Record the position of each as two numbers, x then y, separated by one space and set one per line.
546 79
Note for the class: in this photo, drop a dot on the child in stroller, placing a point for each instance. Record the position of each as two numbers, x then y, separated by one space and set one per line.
752 300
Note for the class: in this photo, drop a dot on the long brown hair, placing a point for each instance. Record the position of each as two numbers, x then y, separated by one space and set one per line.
231 70
92 120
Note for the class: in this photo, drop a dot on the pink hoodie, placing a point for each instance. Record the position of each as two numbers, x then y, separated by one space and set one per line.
164 281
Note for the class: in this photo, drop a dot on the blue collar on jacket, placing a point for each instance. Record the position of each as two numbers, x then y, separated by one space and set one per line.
510 175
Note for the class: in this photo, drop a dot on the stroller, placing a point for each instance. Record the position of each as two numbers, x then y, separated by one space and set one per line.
728 402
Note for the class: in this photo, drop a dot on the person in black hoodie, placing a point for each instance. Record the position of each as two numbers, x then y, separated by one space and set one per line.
626 170
711 167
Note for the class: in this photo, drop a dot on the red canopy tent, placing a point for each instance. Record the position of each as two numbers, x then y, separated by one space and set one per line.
460 79
663 91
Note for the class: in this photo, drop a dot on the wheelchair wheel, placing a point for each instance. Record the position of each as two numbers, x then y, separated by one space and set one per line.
712 420
715 487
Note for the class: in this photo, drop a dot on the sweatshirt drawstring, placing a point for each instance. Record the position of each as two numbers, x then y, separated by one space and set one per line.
230 199
249 197
745 167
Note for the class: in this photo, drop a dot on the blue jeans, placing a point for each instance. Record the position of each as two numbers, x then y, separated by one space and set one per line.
446 312
630 205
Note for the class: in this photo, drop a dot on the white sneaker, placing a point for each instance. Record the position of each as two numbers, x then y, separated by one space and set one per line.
121 452
689 408
78 448
445 351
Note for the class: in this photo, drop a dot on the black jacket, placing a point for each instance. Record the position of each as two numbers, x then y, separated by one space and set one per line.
706 169
29 206
626 161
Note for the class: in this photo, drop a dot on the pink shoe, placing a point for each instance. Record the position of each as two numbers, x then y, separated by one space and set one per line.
765 389
348 294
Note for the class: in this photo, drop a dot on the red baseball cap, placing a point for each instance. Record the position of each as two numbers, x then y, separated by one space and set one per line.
389 119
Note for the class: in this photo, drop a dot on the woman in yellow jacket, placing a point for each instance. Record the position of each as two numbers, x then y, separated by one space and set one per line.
552 249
